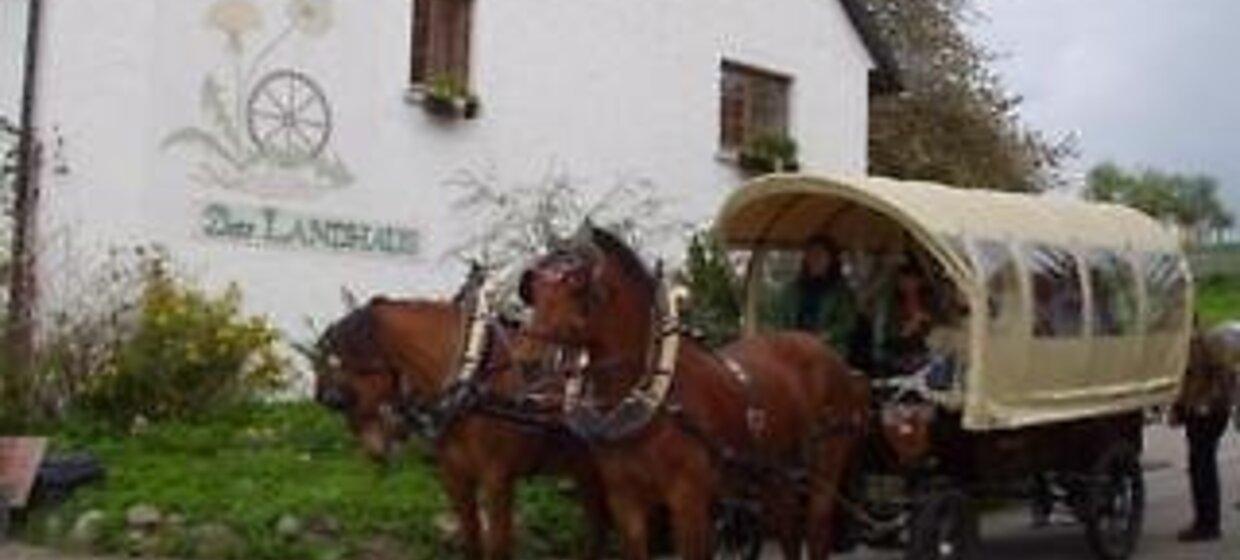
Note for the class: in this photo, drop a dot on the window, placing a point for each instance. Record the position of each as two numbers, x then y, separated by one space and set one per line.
441 37
1166 288
1058 300
753 103
997 266
1113 283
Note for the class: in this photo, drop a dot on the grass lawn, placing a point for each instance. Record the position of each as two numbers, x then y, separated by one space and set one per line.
249 467
1218 299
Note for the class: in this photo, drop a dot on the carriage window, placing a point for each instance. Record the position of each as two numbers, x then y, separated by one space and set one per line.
1166 288
1058 300
998 270
1114 286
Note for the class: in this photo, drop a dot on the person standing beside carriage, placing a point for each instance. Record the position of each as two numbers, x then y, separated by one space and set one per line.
1203 408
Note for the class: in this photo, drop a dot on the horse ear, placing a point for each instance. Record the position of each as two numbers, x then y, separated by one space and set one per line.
525 287
349 299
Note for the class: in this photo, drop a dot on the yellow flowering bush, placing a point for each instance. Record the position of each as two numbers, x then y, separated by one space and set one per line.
187 352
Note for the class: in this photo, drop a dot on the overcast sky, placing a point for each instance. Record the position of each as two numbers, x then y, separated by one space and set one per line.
1142 82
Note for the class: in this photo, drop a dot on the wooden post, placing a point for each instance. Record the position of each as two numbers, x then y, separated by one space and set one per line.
22 286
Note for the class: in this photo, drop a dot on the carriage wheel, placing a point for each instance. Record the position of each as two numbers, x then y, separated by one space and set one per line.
738 532
288 117
944 526
1115 504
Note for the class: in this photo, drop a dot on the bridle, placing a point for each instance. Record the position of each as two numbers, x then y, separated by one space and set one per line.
650 394
435 411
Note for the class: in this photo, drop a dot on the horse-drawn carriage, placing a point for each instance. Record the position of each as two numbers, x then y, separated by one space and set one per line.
1055 324
1058 322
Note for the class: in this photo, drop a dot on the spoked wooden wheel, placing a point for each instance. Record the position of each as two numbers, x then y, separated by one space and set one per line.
1115 504
738 532
288 117
943 527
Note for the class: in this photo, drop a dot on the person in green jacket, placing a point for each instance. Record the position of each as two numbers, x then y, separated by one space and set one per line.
824 302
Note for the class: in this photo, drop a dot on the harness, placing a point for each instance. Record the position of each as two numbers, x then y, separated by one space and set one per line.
465 391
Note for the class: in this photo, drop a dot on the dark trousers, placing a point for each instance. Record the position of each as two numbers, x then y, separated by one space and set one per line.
1204 432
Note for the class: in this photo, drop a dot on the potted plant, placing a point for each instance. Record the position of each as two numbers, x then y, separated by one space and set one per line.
447 97
769 153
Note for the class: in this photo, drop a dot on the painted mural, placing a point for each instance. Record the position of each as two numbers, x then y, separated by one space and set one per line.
264 130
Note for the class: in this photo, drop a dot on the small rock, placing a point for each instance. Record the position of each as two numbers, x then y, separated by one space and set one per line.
323 525
175 520
381 547
53 527
288 526
448 525
87 529
143 516
139 425
215 541
140 543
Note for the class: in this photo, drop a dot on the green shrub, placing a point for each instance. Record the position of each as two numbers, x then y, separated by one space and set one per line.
715 310
188 351
770 153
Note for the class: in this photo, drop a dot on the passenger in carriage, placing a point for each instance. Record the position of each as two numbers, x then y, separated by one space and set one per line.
824 301
904 322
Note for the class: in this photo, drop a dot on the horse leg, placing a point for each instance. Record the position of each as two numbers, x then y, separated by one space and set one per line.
497 492
630 517
782 516
825 488
691 521
463 493
593 498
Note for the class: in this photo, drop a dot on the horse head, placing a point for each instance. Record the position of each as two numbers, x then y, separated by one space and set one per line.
382 360
588 289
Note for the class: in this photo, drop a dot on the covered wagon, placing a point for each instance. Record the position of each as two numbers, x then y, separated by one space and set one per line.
1057 323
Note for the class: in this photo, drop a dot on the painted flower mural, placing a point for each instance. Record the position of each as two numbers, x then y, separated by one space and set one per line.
236 18
312 17
267 130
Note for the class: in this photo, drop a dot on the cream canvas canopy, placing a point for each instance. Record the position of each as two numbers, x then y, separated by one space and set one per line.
1076 309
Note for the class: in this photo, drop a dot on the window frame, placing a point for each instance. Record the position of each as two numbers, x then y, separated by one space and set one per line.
1075 325
749 75
427 39
1131 325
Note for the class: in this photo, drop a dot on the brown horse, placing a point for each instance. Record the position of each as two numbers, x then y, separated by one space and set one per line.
390 364
775 416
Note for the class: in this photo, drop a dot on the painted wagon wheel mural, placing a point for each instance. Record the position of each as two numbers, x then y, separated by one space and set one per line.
288 117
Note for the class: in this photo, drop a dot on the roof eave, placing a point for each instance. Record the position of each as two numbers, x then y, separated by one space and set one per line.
885 77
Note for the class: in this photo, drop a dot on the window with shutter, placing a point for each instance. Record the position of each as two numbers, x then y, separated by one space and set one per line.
753 103
441 41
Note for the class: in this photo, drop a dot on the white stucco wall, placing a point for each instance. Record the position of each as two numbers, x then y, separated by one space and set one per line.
603 89
12 55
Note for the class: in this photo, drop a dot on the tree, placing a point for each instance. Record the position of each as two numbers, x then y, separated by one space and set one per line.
954 122
1189 201
515 223
715 311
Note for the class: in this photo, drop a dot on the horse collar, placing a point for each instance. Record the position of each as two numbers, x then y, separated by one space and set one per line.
636 410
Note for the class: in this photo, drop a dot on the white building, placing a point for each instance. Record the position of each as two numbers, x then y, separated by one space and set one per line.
289 145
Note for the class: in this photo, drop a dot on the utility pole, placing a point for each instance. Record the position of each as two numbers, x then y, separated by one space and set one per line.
22 285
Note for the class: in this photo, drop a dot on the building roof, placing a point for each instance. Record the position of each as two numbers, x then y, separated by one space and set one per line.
886 75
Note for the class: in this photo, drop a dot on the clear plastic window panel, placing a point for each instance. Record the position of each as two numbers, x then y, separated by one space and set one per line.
1058 298
1001 276
1166 289
1113 283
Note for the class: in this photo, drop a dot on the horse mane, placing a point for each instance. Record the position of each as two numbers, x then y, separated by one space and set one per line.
630 263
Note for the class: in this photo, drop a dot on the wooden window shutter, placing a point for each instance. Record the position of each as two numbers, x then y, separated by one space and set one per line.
421 45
